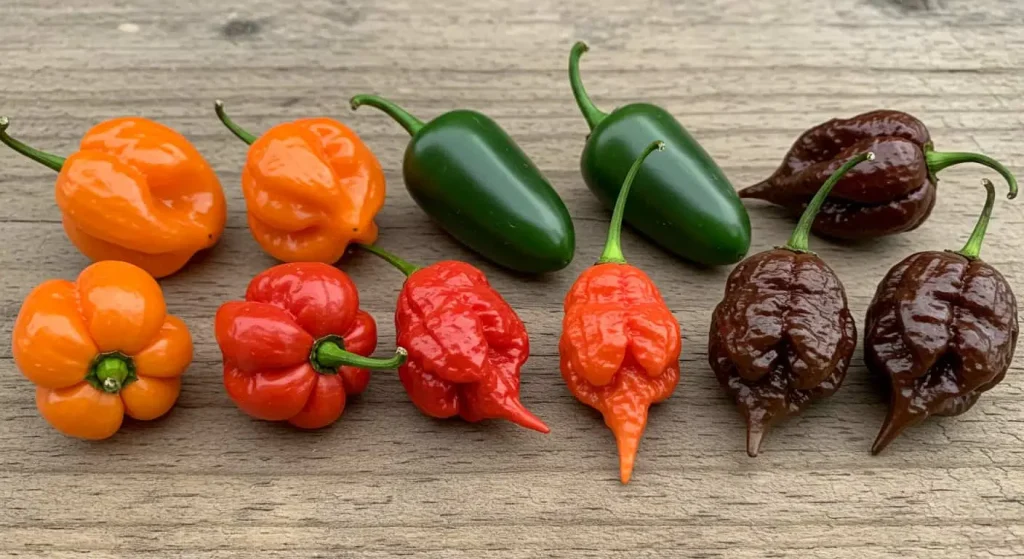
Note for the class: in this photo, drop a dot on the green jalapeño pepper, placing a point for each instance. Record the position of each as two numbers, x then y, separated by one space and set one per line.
469 175
681 200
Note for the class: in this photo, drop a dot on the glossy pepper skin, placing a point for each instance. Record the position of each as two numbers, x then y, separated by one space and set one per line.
296 348
942 328
683 201
466 345
136 191
101 347
619 350
893 194
478 185
311 187
783 334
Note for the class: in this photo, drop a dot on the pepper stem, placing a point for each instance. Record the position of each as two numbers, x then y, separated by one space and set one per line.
329 354
973 246
411 124
405 267
52 161
110 372
242 133
590 112
799 240
938 161
613 247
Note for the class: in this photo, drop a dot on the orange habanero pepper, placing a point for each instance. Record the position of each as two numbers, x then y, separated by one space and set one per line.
100 347
620 343
311 187
136 191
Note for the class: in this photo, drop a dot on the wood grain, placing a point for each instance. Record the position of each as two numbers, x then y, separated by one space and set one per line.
745 77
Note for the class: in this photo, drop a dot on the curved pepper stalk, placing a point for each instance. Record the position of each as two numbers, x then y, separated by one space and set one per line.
783 334
619 350
942 328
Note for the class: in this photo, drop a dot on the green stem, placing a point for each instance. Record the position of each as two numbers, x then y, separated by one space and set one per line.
411 124
329 354
972 248
590 112
798 241
110 372
406 268
242 133
938 161
52 161
613 246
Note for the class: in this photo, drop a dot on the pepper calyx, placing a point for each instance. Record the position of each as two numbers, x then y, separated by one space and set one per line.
111 372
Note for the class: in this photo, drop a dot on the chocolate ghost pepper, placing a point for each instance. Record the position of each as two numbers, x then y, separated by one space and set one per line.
893 194
942 327
620 343
465 343
783 335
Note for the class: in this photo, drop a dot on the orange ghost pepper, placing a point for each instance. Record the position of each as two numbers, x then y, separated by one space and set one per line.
620 343
311 187
100 347
136 191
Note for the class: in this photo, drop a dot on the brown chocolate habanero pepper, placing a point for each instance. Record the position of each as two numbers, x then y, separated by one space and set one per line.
893 194
942 327
783 334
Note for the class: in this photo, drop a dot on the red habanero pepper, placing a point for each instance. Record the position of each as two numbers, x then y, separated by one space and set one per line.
620 343
466 345
297 346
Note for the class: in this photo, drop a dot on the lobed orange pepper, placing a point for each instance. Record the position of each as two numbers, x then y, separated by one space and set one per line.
100 347
311 187
136 191
619 350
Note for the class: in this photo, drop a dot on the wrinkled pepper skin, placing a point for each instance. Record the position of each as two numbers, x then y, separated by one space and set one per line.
783 334
478 185
683 201
101 347
942 329
311 187
288 347
466 346
619 350
781 338
893 194
136 191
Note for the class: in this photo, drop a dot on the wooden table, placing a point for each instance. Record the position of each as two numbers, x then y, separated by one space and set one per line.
745 77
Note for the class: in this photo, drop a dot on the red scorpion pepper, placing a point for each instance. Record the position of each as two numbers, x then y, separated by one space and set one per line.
296 347
620 343
466 345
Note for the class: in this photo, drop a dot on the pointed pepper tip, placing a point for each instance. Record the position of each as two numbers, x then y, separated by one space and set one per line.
755 437
518 414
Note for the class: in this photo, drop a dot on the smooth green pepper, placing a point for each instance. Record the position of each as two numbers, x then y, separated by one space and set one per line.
469 175
681 199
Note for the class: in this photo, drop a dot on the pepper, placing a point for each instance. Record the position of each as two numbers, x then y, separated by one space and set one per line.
136 191
479 186
311 187
942 329
684 202
100 347
783 334
296 347
619 350
466 345
894 194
